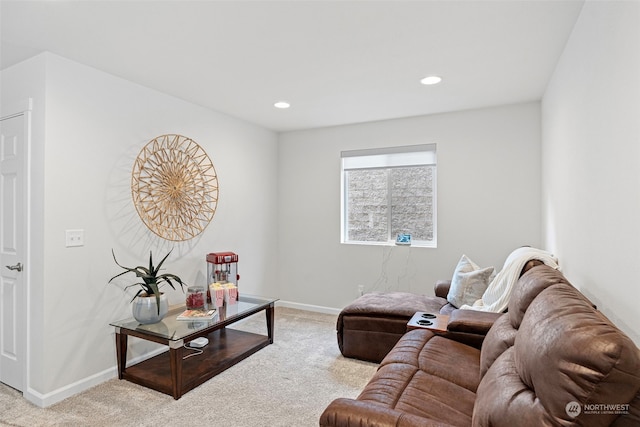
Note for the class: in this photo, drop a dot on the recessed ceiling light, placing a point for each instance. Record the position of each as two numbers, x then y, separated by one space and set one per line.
431 80
282 104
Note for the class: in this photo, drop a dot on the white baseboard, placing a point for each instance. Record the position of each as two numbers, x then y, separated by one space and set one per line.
48 399
308 307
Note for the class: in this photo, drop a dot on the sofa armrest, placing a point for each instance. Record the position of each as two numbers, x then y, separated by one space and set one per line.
471 321
356 413
441 288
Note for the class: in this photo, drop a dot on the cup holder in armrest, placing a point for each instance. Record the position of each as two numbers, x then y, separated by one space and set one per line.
431 321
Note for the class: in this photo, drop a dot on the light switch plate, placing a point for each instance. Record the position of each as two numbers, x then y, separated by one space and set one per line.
74 238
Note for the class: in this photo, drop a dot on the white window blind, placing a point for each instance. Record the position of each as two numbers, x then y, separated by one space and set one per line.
413 155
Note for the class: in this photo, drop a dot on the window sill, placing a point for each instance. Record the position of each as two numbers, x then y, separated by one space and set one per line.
393 244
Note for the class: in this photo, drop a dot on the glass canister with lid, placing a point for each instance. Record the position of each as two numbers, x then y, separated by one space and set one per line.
196 298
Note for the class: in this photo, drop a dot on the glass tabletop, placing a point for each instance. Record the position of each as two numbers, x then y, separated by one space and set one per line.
172 329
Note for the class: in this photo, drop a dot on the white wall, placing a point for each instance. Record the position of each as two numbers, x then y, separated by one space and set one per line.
591 160
95 125
488 202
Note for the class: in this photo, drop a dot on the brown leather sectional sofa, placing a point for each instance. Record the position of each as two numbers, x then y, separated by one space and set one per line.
553 359
370 326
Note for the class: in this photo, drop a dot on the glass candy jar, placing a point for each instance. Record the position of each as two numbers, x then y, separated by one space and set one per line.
196 298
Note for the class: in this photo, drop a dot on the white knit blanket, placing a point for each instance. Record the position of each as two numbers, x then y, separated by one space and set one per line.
496 298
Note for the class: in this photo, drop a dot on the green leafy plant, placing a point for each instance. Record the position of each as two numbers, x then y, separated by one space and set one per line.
151 280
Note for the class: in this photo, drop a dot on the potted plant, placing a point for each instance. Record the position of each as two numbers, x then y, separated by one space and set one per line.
150 305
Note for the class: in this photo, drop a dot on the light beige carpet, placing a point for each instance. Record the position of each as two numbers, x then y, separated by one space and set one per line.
288 383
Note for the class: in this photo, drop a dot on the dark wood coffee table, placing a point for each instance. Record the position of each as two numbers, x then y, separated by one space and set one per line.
172 374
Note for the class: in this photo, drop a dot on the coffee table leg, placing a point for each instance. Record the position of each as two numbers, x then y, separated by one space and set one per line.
270 315
121 352
175 357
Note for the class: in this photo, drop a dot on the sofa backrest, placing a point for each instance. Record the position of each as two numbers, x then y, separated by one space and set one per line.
503 333
553 359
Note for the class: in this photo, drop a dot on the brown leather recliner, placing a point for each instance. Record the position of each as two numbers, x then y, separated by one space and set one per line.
551 360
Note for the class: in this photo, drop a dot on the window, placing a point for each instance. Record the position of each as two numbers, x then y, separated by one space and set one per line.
389 191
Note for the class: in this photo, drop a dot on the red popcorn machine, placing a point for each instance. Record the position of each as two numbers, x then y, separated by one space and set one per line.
222 267
222 274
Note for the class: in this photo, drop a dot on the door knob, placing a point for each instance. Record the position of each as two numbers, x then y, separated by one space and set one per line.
18 267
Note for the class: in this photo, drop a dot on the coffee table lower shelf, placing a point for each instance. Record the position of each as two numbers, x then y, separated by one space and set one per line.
226 348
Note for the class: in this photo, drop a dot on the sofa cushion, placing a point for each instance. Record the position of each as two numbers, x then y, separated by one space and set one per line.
435 355
370 337
500 337
416 379
529 286
398 304
468 283
502 334
346 412
472 321
503 400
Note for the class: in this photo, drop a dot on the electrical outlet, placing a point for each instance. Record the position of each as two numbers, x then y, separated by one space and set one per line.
74 238
361 290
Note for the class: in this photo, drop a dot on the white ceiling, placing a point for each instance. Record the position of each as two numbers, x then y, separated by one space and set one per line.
336 62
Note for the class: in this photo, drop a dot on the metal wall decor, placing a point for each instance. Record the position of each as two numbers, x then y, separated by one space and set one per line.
174 187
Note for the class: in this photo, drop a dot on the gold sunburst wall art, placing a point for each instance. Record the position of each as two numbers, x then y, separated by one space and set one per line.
174 187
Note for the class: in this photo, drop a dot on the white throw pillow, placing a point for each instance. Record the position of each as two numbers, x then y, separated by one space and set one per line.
468 283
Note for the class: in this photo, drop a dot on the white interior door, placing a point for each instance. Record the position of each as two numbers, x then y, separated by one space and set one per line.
12 250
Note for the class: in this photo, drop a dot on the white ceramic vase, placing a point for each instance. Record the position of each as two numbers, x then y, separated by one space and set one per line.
145 309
